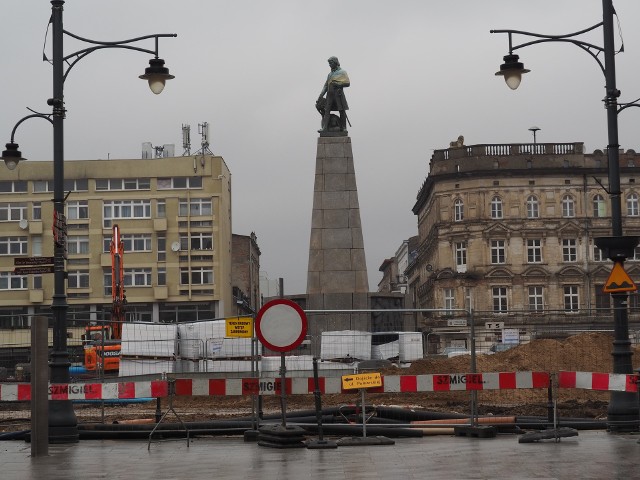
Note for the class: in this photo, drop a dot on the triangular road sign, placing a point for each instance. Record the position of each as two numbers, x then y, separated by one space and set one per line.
619 280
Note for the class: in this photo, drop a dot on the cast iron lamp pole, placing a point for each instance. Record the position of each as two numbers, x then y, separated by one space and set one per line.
62 420
623 406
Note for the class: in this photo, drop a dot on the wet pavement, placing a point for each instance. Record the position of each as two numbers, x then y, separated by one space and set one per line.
591 455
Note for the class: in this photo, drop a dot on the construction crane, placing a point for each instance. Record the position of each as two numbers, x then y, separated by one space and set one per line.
102 343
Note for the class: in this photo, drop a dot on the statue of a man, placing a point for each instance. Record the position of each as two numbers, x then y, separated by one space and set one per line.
336 101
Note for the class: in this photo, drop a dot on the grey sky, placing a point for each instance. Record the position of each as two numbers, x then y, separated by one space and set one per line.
422 73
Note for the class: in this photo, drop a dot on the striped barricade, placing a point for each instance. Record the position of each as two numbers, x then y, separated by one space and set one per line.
271 386
619 382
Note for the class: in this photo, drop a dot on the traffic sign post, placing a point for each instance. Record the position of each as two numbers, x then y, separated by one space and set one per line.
281 325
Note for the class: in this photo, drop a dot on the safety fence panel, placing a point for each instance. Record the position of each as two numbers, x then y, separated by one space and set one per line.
618 382
272 386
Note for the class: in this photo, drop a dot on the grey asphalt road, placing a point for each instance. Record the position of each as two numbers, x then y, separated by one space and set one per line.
591 455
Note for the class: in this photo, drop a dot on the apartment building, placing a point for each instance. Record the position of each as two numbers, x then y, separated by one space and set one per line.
174 216
510 228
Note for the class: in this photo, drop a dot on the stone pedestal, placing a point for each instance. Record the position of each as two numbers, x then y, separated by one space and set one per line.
336 251
337 273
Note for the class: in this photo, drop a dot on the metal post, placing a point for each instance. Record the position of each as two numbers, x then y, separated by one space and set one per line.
39 386
622 407
63 425
283 389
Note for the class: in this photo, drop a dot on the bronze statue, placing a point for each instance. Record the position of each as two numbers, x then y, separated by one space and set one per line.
335 101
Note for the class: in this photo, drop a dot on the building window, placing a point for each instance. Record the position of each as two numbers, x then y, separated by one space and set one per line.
598 255
36 245
123 209
13 246
536 301
76 185
499 295
78 244
197 241
106 280
77 210
599 207
496 207
194 207
40 186
632 205
161 208
458 210
498 250
534 251
571 298
176 183
137 242
36 211
137 277
162 248
12 211
533 207
449 301
37 281
196 276
569 250
603 300
78 279
9 281
116 184
162 276
568 207
461 256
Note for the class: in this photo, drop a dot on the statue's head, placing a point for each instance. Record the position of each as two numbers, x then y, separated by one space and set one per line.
333 61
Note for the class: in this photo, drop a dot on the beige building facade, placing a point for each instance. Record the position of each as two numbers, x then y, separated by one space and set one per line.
174 216
510 228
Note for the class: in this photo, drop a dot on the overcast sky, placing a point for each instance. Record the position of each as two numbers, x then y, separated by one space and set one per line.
422 73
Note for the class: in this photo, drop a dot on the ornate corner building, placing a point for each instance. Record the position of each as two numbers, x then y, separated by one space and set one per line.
509 230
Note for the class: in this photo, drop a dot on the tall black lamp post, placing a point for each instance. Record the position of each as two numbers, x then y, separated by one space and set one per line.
623 407
62 419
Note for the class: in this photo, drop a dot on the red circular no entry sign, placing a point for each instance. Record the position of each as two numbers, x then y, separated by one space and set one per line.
281 325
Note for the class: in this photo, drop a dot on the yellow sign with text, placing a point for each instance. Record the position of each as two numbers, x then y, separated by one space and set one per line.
239 327
361 380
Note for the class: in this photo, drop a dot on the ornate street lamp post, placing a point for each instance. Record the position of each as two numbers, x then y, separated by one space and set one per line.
623 406
62 419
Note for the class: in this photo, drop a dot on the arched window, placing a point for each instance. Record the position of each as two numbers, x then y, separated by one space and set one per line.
632 205
458 210
496 207
533 210
599 208
568 206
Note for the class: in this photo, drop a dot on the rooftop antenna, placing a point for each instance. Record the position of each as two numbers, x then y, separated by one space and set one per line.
186 140
203 130
534 129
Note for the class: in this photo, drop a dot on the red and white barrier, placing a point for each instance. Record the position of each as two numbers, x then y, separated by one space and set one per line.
619 382
271 386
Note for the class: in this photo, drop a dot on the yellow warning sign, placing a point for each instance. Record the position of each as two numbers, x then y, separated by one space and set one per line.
361 380
239 327
619 280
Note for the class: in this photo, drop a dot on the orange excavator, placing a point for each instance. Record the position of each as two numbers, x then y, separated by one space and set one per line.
102 343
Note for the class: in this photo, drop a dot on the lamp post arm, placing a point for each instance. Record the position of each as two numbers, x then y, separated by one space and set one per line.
34 115
100 45
567 38
622 106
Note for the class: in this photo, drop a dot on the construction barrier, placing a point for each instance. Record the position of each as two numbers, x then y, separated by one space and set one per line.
619 382
12 392
271 386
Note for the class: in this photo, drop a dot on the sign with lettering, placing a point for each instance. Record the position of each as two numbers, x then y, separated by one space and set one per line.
361 380
239 327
